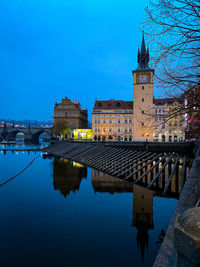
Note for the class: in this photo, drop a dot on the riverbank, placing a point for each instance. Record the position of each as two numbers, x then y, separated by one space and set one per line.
167 255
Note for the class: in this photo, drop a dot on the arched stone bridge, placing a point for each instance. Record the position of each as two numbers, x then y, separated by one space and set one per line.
31 135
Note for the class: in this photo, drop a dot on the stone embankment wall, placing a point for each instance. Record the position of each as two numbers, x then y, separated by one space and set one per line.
189 198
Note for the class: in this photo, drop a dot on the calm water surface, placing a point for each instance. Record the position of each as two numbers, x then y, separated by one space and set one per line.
59 213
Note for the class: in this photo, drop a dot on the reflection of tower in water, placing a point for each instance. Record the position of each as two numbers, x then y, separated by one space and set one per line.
142 215
67 176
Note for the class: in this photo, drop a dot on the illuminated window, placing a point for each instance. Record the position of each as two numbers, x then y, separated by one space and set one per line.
104 129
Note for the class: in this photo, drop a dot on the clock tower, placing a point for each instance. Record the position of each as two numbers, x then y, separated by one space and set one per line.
143 97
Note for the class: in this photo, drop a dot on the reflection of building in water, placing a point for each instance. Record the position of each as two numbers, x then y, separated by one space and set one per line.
142 215
142 203
102 182
67 176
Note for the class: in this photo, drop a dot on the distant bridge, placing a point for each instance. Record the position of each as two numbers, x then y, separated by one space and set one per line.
31 135
161 167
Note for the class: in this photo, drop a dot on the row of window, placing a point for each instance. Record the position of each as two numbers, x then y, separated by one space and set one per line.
126 120
127 130
159 111
66 114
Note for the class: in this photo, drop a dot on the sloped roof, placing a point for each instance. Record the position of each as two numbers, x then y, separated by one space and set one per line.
112 104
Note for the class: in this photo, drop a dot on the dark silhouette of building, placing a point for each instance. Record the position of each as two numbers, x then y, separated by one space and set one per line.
67 176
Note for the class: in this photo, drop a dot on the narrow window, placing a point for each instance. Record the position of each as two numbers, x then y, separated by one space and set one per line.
142 111
142 87
142 123
142 99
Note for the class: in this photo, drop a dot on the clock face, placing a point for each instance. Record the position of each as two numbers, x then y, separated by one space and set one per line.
143 79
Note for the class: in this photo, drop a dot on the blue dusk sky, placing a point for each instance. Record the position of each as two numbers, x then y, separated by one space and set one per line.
82 49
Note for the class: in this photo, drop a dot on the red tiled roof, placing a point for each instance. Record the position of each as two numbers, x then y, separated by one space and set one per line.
112 104
160 101
163 101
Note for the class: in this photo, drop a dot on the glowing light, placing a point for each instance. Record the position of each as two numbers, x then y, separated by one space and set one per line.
75 164
84 134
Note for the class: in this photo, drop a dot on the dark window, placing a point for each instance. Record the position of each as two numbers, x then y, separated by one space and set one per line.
142 99
118 104
142 87
142 111
142 123
109 105
99 105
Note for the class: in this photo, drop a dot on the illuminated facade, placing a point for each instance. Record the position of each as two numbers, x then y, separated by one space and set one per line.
168 122
112 120
68 114
82 134
160 120
175 124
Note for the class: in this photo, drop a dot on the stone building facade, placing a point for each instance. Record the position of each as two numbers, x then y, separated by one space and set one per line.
168 121
112 120
69 114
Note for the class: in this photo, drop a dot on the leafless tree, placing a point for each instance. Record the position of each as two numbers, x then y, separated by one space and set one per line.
173 28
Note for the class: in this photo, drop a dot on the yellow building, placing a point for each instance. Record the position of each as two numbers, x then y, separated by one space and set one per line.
175 122
69 115
112 120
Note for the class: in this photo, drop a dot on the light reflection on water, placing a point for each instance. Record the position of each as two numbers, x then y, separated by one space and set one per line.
59 213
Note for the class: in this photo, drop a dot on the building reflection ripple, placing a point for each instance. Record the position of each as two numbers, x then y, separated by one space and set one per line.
67 176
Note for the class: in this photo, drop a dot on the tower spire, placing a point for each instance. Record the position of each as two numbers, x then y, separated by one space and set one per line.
143 55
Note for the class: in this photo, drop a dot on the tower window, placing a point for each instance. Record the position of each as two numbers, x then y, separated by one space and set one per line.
142 111
142 123
142 87
142 99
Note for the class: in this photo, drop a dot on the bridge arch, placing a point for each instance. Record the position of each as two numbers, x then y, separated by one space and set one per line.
37 135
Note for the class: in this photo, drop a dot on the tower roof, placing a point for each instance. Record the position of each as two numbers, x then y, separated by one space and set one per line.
143 56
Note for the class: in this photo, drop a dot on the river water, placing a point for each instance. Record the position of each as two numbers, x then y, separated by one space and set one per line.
59 213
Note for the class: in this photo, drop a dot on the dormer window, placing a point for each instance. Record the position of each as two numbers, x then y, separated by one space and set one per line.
118 104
